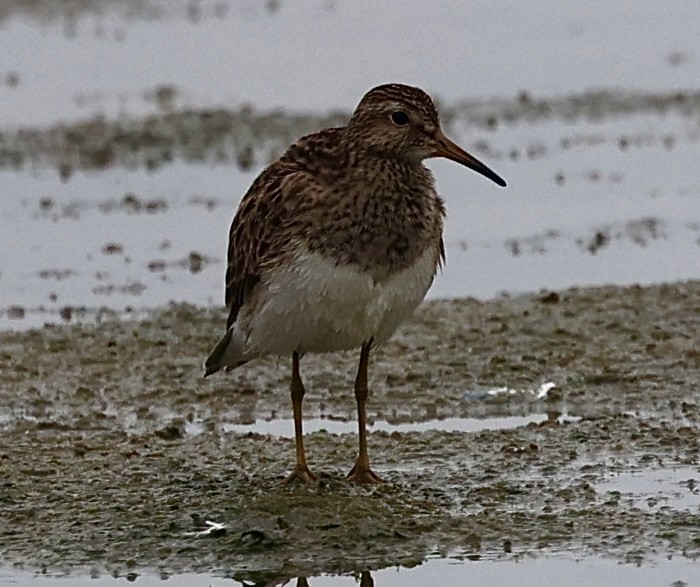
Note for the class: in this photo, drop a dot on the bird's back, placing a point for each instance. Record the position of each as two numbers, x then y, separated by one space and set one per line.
317 194
270 203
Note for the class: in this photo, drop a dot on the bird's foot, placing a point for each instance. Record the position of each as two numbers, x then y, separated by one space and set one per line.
303 473
361 473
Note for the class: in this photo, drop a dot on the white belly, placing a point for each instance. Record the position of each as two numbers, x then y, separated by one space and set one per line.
312 305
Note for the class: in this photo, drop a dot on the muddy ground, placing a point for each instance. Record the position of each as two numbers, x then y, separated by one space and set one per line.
115 453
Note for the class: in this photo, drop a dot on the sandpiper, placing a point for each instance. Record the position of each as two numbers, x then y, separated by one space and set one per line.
336 243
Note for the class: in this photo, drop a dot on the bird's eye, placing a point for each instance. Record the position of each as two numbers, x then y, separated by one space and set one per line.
399 118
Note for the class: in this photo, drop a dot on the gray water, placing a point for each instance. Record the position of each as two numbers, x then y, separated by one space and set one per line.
527 572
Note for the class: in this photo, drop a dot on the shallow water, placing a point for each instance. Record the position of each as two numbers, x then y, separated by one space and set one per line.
676 488
122 239
523 572
601 189
74 67
285 428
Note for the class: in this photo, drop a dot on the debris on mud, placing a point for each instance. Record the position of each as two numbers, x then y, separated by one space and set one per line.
115 451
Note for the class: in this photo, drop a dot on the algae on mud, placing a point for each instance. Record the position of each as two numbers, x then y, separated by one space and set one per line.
99 468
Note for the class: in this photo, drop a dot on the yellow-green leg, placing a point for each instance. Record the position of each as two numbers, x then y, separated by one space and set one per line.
301 469
361 471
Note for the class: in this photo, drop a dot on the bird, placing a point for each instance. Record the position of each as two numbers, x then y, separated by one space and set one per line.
336 243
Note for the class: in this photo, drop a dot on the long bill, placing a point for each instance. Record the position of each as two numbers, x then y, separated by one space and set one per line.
446 148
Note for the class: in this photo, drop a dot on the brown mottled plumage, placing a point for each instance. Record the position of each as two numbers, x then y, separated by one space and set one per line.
337 242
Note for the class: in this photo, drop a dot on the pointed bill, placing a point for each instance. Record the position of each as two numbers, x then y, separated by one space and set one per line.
444 147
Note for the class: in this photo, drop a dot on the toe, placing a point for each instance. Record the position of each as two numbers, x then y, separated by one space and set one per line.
302 473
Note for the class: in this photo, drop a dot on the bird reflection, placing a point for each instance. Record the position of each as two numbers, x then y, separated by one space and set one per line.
365 577
365 580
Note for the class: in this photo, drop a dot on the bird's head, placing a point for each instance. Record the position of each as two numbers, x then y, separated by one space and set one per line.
401 122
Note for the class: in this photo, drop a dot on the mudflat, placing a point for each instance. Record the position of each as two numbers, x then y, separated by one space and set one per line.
116 453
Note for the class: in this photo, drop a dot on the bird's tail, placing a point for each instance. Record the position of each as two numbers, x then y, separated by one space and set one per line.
227 354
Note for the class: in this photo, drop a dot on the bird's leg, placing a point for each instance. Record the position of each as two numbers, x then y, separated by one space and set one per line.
361 472
301 469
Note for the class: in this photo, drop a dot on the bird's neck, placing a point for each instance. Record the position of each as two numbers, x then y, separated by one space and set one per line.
395 215
390 175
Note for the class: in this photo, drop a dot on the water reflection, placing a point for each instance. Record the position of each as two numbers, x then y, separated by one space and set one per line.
526 571
365 580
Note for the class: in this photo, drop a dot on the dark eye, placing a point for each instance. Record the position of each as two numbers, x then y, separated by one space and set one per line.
399 118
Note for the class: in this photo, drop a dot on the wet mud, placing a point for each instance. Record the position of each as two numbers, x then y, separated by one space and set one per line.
116 456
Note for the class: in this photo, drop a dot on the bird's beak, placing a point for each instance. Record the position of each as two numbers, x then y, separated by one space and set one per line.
444 147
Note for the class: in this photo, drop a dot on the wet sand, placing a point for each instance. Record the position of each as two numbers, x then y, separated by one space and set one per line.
116 453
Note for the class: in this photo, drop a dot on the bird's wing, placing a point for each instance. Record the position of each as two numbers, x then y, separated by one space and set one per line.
267 219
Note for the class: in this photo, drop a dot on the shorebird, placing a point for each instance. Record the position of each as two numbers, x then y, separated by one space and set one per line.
336 243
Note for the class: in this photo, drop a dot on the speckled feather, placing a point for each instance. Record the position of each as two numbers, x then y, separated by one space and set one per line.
319 192
338 241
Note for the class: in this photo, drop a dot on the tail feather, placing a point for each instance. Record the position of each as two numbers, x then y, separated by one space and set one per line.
225 355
